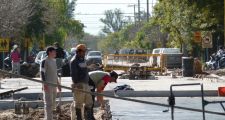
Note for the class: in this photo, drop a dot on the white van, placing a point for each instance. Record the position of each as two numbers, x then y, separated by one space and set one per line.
153 60
173 57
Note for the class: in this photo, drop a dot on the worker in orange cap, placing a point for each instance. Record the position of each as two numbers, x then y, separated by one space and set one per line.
80 78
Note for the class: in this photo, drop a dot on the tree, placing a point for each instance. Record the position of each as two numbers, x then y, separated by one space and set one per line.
71 9
114 21
181 18
110 43
36 23
148 37
62 26
13 15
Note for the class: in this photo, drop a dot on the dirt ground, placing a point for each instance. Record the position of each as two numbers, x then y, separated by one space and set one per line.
220 72
35 114
38 114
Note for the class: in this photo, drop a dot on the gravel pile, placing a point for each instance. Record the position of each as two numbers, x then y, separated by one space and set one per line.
35 114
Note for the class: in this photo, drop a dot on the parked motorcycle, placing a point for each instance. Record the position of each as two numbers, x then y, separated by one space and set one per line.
216 62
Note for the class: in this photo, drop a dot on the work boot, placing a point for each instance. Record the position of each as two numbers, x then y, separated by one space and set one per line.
78 114
89 114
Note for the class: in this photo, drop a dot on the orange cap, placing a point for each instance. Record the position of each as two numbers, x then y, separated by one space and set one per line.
81 47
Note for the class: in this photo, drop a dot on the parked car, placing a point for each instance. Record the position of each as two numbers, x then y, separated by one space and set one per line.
124 51
132 51
94 57
40 56
153 59
132 59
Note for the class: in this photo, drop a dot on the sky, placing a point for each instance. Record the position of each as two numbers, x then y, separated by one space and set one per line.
89 12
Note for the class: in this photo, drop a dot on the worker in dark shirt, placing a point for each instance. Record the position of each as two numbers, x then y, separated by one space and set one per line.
80 78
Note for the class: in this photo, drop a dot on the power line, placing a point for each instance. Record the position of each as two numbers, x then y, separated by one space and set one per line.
95 13
113 3
93 24
95 16
94 21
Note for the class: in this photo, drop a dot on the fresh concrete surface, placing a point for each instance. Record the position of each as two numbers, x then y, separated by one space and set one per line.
143 88
163 84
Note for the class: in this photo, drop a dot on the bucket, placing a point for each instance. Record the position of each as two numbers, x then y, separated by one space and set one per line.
18 108
25 108
221 91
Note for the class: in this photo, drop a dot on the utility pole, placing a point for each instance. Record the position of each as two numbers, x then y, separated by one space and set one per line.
147 10
139 14
134 12
134 15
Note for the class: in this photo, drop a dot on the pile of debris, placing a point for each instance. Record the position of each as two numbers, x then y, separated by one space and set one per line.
29 69
38 114
35 114
219 72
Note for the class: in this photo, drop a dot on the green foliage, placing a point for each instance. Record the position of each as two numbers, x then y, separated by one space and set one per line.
53 20
36 26
117 40
74 27
110 43
173 24
131 37
181 18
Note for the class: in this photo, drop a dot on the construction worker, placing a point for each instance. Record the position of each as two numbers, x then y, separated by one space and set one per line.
49 74
99 79
80 78
60 55
197 66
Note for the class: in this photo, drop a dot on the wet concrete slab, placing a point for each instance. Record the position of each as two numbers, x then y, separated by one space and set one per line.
142 88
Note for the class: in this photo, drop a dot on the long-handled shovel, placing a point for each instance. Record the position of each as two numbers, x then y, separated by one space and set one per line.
58 107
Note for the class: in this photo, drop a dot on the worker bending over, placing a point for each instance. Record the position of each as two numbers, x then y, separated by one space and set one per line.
98 80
